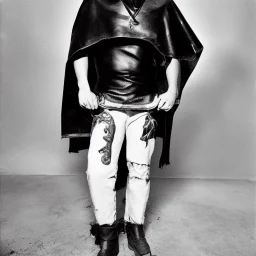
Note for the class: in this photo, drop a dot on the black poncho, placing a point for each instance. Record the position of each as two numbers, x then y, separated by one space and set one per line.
162 25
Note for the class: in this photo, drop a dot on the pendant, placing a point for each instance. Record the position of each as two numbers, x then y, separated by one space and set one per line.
133 23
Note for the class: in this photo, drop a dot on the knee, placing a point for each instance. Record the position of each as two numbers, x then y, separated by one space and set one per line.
101 172
139 171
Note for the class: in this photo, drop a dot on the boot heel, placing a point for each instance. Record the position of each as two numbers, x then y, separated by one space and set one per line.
136 240
135 252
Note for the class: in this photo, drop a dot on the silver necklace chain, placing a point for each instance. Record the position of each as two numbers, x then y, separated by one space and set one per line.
132 21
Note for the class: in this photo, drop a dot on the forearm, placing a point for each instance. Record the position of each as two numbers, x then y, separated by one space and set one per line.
81 70
173 76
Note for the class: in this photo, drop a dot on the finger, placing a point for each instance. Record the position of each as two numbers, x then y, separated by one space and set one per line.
161 104
81 103
89 105
84 104
164 107
159 99
95 102
169 107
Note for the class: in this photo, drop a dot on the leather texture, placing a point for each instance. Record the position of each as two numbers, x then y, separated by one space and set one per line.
126 71
136 239
161 25
107 239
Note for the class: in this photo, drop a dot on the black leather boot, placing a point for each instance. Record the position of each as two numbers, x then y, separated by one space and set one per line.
107 238
136 240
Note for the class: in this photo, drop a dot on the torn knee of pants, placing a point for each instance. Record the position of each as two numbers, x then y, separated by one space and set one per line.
138 171
112 177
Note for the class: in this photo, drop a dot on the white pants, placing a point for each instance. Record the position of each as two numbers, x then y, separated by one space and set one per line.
108 132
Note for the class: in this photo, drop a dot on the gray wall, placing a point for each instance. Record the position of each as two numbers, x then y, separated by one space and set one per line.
214 130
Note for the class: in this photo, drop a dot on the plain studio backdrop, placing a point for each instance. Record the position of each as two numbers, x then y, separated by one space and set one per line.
214 133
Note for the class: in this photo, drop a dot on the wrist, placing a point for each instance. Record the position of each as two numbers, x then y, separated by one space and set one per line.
172 91
83 86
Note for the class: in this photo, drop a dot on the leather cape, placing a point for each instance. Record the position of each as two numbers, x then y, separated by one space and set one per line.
162 25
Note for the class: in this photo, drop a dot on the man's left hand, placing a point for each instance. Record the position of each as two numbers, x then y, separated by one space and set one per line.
167 100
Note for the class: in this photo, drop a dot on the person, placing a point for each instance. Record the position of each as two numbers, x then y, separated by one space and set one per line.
128 63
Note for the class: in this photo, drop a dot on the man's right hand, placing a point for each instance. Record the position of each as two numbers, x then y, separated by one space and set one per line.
87 99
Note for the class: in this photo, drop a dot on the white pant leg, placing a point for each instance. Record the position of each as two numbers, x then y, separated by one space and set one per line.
138 161
102 177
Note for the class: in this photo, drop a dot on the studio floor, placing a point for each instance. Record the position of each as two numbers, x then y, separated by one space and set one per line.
50 215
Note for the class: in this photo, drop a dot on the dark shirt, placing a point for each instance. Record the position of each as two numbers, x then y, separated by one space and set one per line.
126 71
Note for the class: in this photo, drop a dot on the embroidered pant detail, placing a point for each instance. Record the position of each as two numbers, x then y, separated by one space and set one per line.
149 129
102 177
109 130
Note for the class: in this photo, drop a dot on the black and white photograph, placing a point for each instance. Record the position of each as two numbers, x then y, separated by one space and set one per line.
127 127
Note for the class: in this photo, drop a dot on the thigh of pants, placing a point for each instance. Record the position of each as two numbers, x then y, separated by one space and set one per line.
140 138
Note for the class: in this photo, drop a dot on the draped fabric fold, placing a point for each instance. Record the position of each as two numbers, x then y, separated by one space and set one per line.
161 24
